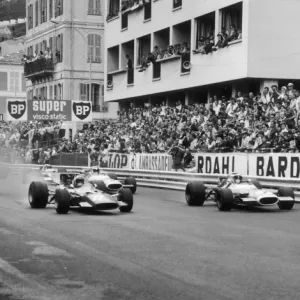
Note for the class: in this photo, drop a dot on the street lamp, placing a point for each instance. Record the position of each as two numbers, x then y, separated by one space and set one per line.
13 70
90 53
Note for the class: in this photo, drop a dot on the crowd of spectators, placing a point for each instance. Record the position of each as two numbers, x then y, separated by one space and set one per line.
160 53
267 122
206 45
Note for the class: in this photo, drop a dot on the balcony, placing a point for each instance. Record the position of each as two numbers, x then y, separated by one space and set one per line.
39 69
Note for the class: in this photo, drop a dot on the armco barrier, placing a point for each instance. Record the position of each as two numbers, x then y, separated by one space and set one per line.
175 180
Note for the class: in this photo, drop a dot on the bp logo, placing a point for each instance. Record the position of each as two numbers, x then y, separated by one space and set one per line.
16 110
82 110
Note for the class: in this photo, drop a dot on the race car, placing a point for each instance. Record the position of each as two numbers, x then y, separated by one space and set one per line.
73 189
46 171
233 191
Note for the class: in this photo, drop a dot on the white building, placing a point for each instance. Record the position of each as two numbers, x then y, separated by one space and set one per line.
76 40
266 53
12 80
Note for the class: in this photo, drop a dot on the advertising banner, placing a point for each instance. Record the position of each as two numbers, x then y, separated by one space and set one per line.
16 110
49 110
119 161
221 163
275 165
154 162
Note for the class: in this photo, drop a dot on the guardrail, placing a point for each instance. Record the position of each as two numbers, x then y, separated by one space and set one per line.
172 180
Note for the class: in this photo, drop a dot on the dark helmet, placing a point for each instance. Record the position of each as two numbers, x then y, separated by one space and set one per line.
237 178
96 170
78 181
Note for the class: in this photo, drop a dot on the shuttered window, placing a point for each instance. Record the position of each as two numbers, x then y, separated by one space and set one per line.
94 48
3 81
14 83
30 17
50 9
83 92
94 7
36 13
58 7
23 83
43 11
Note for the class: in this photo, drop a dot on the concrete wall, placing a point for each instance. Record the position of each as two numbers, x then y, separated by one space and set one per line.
273 42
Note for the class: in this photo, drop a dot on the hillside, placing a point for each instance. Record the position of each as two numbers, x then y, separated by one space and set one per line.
12 9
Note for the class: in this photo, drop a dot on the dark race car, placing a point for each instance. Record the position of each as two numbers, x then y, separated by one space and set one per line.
233 191
81 189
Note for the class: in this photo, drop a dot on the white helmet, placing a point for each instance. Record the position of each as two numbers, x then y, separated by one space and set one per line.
78 181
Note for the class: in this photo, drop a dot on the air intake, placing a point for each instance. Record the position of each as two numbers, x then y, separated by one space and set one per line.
114 186
268 201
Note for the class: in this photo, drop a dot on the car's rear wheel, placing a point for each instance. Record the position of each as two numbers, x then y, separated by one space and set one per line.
195 193
131 181
38 194
126 197
62 201
112 176
224 199
286 192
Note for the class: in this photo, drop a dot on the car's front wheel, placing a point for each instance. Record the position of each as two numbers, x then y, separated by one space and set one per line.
224 199
62 201
131 181
38 194
126 197
286 192
195 193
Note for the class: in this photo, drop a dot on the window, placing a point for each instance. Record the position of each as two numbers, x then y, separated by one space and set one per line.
14 82
55 92
3 81
51 92
232 20
59 48
30 17
94 48
124 20
147 10
36 13
177 4
23 83
94 7
58 8
50 9
156 70
113 9
43 10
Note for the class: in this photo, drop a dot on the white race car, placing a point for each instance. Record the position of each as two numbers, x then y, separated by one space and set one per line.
73 189
234 191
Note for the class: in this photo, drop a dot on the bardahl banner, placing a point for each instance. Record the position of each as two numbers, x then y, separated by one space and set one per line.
49 110
221 163
276 165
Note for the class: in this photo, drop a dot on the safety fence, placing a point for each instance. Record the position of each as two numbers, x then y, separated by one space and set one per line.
171 180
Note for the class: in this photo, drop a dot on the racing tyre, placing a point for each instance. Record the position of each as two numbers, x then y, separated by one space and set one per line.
256 183
131 181
127 197
38 194
286 192
62 202
195 193
224 199
113 176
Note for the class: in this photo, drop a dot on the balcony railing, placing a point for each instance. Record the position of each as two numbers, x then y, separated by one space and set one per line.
39 67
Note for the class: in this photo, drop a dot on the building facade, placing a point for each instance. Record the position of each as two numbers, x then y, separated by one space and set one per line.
72 33
12 81
264 52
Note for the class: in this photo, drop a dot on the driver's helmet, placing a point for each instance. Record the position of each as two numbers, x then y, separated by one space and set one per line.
96 170
237 178
47 167
78 181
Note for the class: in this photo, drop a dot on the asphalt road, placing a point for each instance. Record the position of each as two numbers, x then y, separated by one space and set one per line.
162 250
